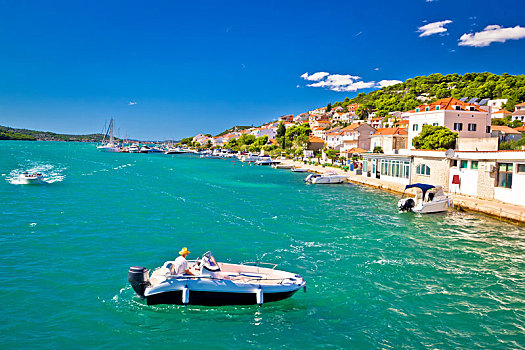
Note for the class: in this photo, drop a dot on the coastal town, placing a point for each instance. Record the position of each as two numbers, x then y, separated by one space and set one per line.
478 169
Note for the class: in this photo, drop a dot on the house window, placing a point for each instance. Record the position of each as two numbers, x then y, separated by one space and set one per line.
454 163
474 165
427 108
488 129
437 108
458 126
505 175
435 124
472 108
521 169
472 127
415 127
463 164
417 110
423 169
458 108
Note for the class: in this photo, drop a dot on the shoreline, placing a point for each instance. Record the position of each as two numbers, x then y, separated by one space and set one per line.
493 208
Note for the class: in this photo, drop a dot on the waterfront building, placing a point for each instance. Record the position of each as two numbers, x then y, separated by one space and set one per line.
489 175
391 140
357 135
392 168
467 119
316 143
334 139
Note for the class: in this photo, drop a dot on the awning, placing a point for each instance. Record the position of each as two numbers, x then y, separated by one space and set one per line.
422 187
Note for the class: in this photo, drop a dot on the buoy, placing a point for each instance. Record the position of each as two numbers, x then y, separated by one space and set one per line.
304 288
185 295
259 296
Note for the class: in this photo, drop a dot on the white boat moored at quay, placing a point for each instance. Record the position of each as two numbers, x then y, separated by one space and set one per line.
215 283
429 199
326 178
299 170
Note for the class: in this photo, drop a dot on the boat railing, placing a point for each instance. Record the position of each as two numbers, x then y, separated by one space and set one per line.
258 263
248 279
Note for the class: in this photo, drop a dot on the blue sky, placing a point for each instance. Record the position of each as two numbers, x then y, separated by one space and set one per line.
204 66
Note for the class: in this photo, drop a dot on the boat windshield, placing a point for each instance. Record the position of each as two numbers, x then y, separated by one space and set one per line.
208 261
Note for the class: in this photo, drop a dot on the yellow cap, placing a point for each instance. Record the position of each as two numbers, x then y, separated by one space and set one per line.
184 251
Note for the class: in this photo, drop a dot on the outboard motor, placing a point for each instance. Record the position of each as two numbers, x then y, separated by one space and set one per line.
138 277
406 204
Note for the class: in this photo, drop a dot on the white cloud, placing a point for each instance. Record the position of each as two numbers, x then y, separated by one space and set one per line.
344 82
314 77
132 103
384 83
433 28
491 34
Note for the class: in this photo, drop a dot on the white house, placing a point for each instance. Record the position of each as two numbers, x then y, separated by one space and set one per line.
519 112
467 119
270 132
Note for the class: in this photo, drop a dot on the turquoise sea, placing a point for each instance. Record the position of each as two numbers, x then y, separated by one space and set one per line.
376 278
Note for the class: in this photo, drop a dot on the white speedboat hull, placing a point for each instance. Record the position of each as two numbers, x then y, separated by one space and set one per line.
31 180
225 284
436 206
108 148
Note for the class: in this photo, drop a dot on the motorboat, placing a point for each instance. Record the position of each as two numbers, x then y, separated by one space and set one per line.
429 199
134 148
145 149
174 150
156 150
266 161
215 283
109 145
326 178
31 178
281 166
299 170
249 158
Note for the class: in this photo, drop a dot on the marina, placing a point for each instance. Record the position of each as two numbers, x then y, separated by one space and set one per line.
372 273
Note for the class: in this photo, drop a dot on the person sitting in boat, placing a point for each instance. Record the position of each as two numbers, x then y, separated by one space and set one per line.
180 266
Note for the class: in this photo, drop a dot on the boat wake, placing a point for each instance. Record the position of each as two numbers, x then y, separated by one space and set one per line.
51 173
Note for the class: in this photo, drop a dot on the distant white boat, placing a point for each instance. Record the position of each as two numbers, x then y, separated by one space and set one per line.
282 166
430 199
326 178
174 150
299 170
249 158
31 178
145 149
110 145
134 148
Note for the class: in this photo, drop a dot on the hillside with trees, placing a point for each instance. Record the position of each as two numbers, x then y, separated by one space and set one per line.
424 89
7 133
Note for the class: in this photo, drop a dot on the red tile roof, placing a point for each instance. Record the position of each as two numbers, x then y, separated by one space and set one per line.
391 131
448 104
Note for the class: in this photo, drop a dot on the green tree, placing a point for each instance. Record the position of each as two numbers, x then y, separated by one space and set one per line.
328 107
435 137
378 149
332 154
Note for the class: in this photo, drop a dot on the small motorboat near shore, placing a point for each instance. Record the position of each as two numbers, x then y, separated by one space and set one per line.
214 283
299 170
430 199
326 178
31 178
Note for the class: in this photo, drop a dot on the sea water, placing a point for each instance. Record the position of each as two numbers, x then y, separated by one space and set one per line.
375 278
